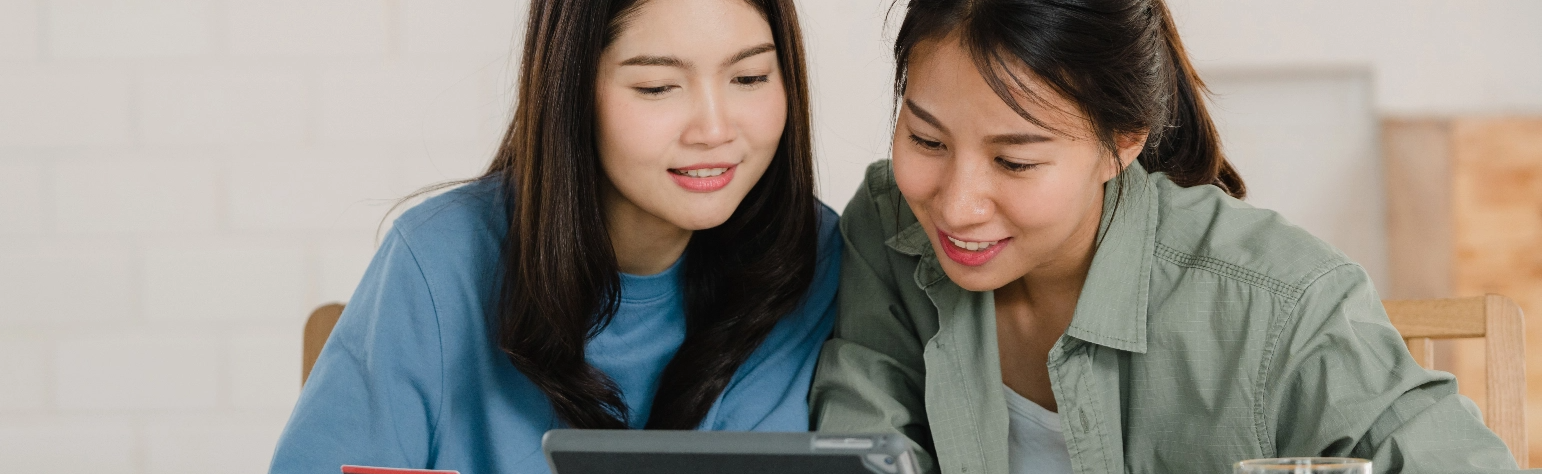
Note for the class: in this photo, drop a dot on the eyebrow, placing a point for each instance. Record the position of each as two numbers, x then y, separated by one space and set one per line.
1017 139
668 61
1003 139
749 53
675 62
925 116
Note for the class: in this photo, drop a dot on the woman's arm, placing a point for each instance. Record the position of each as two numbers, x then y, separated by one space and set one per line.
871 375
1347 386
375 392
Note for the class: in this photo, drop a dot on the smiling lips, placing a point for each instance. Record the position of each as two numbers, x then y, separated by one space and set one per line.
970 253
704 178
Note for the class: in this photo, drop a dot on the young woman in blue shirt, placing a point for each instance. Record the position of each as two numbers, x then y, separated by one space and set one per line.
645 251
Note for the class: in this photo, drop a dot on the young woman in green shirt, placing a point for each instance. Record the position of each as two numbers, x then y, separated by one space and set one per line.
1055 273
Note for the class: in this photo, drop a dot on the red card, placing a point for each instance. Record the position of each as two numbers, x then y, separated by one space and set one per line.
390 470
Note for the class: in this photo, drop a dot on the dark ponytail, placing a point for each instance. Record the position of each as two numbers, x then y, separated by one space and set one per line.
1120 61
1190 150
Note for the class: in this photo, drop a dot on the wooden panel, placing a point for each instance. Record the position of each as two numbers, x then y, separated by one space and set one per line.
1418 167
317 328
1465 218
1417 159
1497 239
1440 319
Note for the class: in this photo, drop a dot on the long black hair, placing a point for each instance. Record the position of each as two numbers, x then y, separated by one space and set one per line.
1120 61
559 279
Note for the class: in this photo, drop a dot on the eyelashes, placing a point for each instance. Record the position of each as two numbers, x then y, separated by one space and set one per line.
747 82
1004 163
655 91
751 81
1014 166
927 144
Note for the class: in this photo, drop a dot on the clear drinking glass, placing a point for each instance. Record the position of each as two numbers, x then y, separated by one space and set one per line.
1304 466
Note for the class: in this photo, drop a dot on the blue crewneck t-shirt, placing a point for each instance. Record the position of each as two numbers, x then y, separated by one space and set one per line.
412 378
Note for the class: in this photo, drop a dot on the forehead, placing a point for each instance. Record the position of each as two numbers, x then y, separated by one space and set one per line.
943 76
687 26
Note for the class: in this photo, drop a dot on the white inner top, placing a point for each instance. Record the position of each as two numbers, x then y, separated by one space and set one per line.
1034 442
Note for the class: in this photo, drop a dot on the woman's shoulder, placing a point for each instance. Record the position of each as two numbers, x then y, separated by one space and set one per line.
467 217
1203 227
450 240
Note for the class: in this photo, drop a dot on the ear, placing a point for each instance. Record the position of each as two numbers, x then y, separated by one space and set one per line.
1128 147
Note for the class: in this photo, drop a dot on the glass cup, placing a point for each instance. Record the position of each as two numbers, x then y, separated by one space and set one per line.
1304 466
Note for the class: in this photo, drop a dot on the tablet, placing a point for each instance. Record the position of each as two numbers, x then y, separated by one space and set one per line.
716 452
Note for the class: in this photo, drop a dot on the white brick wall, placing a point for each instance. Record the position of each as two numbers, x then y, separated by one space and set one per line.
181 181
76 282
264 370
304 190
290 28
117 195
238 106
429 103
24 368
477 30
95 445
342 265
114 29
203 445
64 106
224 281
18 30
136 372
21 198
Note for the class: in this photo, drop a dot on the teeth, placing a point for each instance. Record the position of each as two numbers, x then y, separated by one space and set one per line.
971 246
703 173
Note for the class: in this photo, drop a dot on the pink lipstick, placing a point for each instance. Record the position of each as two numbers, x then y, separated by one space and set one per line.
983 252
704 178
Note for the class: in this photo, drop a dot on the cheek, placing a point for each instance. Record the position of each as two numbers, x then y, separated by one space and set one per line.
629 130
763 118
1047 206
916 175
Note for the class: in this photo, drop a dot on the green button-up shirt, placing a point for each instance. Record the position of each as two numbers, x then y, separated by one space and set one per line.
1208 332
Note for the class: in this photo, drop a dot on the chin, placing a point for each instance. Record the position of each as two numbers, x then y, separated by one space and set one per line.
702 214
977 285
698 221
973 278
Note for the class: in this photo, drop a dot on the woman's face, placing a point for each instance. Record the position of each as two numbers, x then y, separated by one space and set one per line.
999 196
691 108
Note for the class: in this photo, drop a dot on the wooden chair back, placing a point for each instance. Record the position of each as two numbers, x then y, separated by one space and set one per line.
317 328
1496 319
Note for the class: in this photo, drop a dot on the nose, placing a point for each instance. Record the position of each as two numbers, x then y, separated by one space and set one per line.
710 124
965 198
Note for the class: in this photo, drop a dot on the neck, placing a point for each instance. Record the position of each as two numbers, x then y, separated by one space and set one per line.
644 243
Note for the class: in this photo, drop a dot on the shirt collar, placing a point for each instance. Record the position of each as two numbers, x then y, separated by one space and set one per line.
913 242
1111 310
